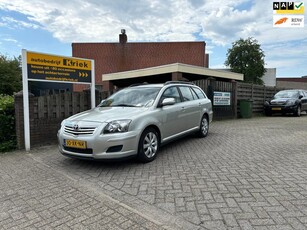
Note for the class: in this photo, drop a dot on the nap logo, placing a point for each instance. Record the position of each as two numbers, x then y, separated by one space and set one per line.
288 7
283 5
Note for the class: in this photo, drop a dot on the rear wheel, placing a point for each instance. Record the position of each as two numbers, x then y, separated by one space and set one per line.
204 127
148 145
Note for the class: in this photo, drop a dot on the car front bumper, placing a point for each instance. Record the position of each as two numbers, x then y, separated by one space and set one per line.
104 146
281 109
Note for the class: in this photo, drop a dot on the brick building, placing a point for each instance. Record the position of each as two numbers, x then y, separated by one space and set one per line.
299 83
125 56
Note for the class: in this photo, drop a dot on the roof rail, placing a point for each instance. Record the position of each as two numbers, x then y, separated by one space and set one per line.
178 82
137 84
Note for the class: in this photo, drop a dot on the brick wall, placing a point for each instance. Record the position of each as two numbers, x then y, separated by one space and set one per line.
292 84
117 57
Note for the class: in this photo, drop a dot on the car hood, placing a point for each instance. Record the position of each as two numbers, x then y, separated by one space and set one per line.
107 114
282 100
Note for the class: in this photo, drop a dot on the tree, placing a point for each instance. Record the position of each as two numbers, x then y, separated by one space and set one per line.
10 75
247 57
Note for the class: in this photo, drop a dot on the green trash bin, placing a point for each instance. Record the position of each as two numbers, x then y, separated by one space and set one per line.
246 108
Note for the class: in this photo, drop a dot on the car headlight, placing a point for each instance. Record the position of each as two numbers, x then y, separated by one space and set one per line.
290 102
62 124
117 126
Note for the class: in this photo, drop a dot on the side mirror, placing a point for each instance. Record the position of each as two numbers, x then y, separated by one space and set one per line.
101 103
300 96
168 101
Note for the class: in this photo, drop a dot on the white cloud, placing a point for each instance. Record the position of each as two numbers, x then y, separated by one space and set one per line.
12 23
102 20
218 23
10 40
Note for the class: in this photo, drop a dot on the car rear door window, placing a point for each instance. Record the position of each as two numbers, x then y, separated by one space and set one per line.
194 94
199 93
186 93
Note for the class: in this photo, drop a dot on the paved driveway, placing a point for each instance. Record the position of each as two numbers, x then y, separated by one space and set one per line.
247 174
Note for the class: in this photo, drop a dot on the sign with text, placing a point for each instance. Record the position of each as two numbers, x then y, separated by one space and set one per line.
221 98
58 68
294 21
288 8
288 14
53 68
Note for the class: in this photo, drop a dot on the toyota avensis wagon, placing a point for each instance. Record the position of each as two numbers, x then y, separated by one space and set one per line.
135 121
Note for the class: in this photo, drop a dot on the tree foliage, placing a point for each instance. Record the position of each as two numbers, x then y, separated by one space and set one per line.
10 75
7 123
247 57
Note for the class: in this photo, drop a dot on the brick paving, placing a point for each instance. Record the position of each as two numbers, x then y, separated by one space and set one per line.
247 174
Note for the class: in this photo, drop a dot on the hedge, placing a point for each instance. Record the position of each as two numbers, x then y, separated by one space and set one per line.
7 124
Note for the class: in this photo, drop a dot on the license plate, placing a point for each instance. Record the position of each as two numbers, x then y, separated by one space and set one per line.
75 144
276 108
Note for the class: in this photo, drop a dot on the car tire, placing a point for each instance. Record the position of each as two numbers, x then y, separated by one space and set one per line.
268 113
204 127
298 111
148 145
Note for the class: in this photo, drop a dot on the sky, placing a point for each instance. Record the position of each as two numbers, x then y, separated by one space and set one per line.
51 26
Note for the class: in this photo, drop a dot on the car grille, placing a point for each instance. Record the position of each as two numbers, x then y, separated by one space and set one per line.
278 103
76 150
79 130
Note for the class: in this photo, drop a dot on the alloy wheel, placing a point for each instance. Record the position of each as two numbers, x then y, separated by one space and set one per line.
150 144
204 126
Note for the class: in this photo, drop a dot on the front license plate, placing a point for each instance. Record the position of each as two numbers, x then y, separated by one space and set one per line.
276 108
75 144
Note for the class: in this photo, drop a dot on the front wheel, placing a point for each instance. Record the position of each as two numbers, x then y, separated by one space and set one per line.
148 145
268 113
204 127
298 111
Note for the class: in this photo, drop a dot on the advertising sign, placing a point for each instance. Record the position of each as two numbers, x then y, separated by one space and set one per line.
53 68
221 98
57 68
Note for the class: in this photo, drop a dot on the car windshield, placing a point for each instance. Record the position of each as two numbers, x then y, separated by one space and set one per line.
286 94
132 97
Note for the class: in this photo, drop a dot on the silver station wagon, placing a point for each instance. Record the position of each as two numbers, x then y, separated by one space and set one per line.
136 121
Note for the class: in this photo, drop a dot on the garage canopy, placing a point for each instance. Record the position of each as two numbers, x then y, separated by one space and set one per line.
176 71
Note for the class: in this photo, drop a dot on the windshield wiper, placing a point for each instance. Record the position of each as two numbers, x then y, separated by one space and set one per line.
124 105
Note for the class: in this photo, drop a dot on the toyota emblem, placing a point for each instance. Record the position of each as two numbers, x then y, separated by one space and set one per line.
76 127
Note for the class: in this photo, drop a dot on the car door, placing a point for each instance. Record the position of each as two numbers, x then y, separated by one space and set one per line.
190 108
170 116
304 100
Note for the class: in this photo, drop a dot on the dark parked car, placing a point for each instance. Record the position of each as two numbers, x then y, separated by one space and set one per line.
287 101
